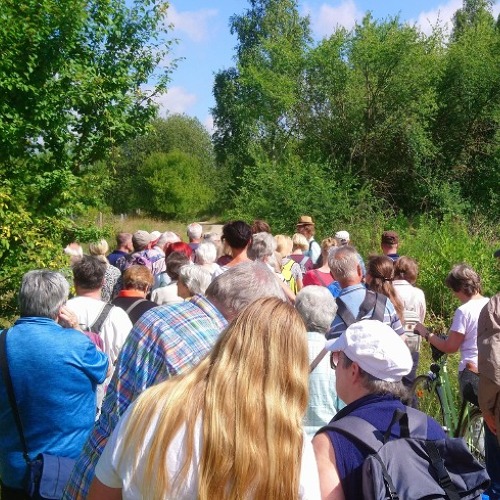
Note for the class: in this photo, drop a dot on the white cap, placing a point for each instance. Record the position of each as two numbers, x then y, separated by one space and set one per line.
376 348
155 235
342 237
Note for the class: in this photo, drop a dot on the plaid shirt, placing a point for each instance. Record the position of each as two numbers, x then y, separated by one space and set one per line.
166 341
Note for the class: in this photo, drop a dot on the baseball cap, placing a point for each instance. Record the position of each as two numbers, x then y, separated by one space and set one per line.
390 237
141 238
376 348
342 237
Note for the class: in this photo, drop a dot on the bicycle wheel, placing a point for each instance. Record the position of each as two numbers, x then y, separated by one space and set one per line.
426 398
472 431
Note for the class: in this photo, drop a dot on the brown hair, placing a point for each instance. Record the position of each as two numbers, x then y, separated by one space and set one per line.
406 268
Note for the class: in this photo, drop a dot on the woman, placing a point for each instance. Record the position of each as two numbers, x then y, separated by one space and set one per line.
137 281
237 235
317 307
54 372
206 255
193 280
321 276
300 247
290 270
465 285
168 294
379 278
218 431
112 278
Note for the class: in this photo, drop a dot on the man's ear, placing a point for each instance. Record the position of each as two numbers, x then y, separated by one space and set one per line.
359 270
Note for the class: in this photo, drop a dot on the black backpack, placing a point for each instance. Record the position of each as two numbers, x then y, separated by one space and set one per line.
372 300
413 467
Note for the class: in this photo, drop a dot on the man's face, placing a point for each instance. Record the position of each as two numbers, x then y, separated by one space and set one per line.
300 228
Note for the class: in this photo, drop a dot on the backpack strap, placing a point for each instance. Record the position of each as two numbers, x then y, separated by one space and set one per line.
443 475
96 327
369 303
131 307
317 359
345 315
380 304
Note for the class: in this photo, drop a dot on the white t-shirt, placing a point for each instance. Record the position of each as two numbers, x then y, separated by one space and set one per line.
412 297
465 322
115 464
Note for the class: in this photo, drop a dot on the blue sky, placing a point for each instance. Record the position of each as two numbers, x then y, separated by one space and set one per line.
204 41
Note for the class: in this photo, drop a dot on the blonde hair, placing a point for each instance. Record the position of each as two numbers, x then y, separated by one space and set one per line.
283 245
251 391
99 249
299 241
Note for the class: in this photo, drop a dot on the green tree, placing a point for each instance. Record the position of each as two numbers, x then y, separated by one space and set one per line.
72 79
175 133
255 101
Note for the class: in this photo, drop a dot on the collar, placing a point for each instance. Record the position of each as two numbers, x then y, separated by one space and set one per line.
131 293
352 288
365 400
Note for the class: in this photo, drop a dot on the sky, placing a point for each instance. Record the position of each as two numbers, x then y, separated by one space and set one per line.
206 45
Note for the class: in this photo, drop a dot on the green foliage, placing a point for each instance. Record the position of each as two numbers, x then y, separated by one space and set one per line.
173 185
130 189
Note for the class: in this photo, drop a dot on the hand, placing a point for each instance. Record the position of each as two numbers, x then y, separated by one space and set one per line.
421 330
68 319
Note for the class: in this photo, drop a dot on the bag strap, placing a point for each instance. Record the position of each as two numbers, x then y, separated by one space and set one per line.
345 315
317 360
443 475
367 305
10 393
131 307
96 327
379 310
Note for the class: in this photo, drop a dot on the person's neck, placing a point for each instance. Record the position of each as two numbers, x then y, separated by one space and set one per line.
239 256
349 282
91 294
123 249
465 298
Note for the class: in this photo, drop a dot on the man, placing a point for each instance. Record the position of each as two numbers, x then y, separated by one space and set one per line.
347 271
88 276
167 341
123 247
369 361
54 373
305 226
389 244
194 232
488 346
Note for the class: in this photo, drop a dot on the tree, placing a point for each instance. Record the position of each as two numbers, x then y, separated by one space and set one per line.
72 79
179 133
255 101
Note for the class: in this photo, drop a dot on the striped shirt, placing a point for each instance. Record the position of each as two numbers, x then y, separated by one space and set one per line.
166 341
353 297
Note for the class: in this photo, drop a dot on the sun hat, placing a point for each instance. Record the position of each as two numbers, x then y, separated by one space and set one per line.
305 220
390 237
376 348
342 237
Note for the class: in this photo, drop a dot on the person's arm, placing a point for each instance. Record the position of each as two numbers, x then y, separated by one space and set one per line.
329 480
99 491
448 345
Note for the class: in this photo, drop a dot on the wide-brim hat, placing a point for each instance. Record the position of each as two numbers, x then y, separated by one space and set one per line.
305 220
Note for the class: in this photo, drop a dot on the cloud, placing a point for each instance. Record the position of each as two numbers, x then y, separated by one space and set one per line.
193 23
442 15
176 100
208 122
325 19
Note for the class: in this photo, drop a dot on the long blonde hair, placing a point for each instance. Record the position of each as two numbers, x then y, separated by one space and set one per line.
251 392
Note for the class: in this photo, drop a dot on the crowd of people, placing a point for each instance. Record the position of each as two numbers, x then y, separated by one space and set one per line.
208 368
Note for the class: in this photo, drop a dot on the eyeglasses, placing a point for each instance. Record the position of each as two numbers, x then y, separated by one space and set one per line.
334 359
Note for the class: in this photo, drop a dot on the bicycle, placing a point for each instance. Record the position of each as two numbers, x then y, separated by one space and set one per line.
433 395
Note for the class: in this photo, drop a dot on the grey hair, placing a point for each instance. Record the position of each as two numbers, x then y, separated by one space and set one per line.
194 230
377 386
241 285
462 278
317 307
42 293
262 246
167 237
206 253
195 278
343 262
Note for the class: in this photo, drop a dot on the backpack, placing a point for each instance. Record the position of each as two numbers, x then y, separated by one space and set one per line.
372 300
93 333
134 259
413 467
413 340
286 272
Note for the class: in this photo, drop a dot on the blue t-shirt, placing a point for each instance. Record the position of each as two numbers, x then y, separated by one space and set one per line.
378 410
54 374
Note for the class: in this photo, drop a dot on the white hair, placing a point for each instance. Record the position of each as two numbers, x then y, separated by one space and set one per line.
167 237
206 253
195 278
262 246
194 231
317 307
